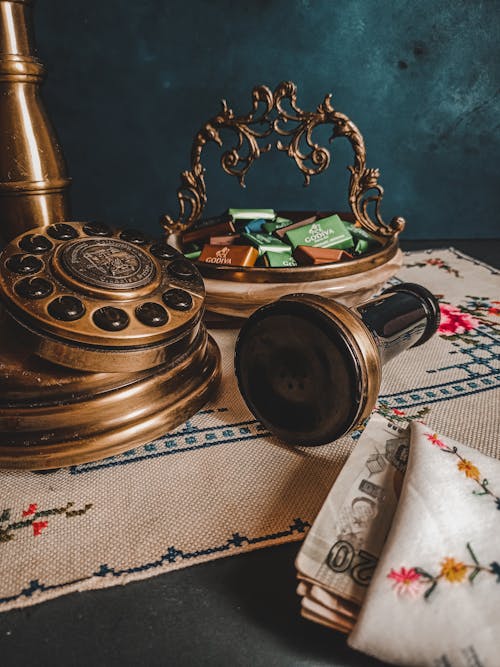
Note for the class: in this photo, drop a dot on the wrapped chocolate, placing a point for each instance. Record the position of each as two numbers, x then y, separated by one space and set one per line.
254 226
280 232
305 238
266 243
272 226
251 213
206 231
311 256
279 259
329 232
227 239
236 255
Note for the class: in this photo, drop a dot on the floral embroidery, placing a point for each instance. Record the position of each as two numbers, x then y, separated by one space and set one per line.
453 570
455 322
31 510
480 307
34 518
393 415
493 310
464 465
469 469
406 582
396 415
413 580
434 438
459 322
438 263
38 526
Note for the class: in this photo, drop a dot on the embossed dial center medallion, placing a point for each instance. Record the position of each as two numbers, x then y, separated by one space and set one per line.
108 263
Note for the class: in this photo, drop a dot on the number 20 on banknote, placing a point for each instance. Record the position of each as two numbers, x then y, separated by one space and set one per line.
360 565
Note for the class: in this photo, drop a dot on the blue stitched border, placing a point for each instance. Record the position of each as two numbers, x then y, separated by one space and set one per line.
88 467
178 442
172 555
188 438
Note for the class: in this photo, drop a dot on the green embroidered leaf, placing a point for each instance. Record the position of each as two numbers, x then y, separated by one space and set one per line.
430 590
424 574
6 536
83 510
474 574
473 555
5 515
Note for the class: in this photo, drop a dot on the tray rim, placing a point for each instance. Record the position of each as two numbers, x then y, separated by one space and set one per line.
248 274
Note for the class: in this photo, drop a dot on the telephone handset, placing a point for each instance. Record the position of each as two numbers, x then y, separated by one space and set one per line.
99 299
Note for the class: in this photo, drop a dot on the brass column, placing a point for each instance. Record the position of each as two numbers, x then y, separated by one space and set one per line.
33 175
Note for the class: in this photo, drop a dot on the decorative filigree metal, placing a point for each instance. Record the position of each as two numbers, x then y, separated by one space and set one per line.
280 114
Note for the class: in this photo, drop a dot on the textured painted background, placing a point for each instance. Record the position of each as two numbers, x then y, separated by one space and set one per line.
131 81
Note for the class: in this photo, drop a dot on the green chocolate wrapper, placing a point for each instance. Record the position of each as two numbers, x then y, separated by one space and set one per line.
192 255
278 223
278 259
251 213
329 232
265 243
362 235
361 246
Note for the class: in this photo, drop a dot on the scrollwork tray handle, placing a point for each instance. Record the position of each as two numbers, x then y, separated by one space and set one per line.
277 113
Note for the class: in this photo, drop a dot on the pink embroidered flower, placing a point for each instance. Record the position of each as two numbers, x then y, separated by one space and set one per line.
435 261
406 581
398 412
31 509
453 321
38 526
493 311
433 437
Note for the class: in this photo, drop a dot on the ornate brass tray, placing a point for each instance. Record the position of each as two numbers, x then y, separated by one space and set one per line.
239 291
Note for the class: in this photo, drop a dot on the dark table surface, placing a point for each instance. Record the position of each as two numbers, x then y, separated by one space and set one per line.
234 611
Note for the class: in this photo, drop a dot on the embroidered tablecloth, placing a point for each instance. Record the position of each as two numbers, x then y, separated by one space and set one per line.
219 484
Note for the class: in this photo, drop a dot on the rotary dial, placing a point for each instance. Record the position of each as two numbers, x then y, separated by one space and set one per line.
88 284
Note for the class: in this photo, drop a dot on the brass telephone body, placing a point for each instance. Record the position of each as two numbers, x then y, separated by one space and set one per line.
81 297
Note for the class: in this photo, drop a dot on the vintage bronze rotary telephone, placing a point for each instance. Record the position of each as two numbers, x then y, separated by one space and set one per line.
101 299
102 344
103 347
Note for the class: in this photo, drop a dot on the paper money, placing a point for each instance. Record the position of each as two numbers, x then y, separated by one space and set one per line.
328 600
341 623
341 550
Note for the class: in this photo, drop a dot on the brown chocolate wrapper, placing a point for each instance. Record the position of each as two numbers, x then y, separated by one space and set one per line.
235 255
204 233
306 255
280 233
228 239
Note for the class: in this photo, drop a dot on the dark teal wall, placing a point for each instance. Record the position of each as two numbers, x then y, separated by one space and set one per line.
130 82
